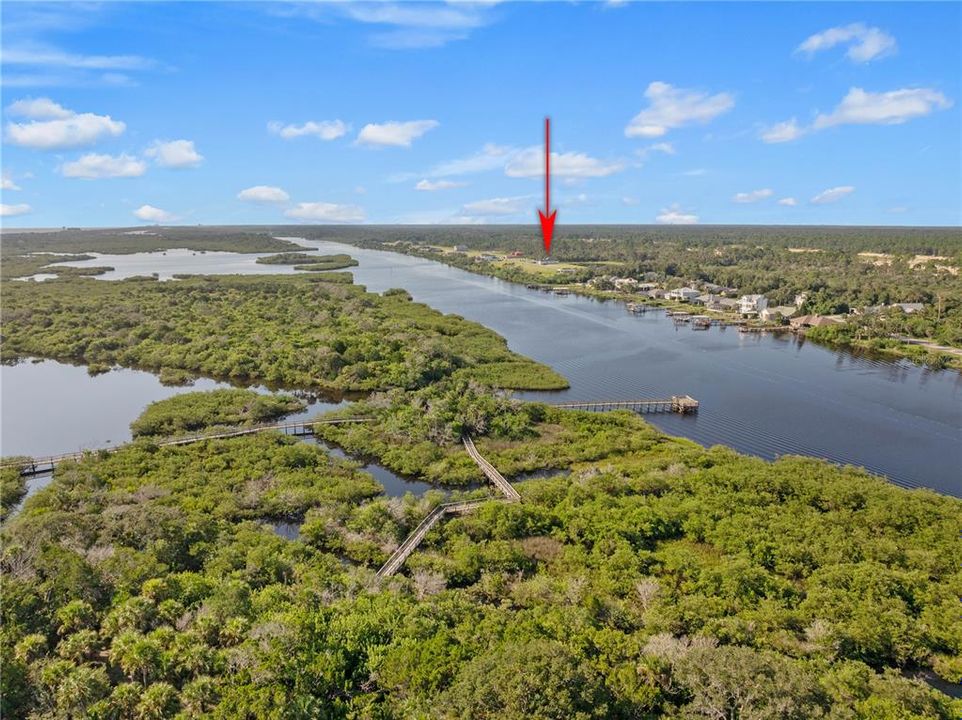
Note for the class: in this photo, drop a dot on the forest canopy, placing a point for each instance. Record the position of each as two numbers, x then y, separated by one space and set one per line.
196 411
650 578
313 332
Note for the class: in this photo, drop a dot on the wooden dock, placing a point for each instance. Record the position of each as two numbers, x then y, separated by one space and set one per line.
37 466
683 404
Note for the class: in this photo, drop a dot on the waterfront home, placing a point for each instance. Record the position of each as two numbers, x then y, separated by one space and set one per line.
773 313
646 286
488 258
626 284
657 293
800 299
752 304
685 294
460 248
805 321
722 304
707 299
515 254
546 261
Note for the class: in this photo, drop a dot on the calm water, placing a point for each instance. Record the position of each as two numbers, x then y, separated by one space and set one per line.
47 410
761 394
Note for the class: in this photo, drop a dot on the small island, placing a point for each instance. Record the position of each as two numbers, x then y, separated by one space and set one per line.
303 261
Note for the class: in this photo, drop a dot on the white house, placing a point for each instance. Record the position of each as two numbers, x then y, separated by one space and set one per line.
685 294
773 313
752 304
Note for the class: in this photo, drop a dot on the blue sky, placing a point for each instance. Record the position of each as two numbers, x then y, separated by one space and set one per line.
820 113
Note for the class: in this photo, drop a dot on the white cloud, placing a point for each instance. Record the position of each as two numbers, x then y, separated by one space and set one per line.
175 154
53 127
832 195
696 172
38 109
417 25
7 183
885 108
323 129
670 107
490 157
13 210
395 134
499 206
47 56
530 163
630 201
864 43
674 216
788 202
783 132
662 147
149 213
263 194
753 196
433 185
93 166
326 212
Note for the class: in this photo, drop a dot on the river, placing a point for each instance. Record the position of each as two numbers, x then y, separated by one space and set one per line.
762 394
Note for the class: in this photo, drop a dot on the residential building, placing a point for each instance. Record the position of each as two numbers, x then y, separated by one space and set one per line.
773 313
685 294
805 321
752 304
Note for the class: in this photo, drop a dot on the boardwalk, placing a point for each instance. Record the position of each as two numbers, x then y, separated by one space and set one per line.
683 404
412 541
491 472
35 466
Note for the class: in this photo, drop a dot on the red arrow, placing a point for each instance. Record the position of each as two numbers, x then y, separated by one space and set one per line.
547 217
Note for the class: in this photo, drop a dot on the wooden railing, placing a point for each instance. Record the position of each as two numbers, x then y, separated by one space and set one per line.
490 471
676 403
414 539
33 466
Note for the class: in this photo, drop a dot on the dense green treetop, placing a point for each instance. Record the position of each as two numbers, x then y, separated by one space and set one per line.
305 261
196 411
651 578
312 332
